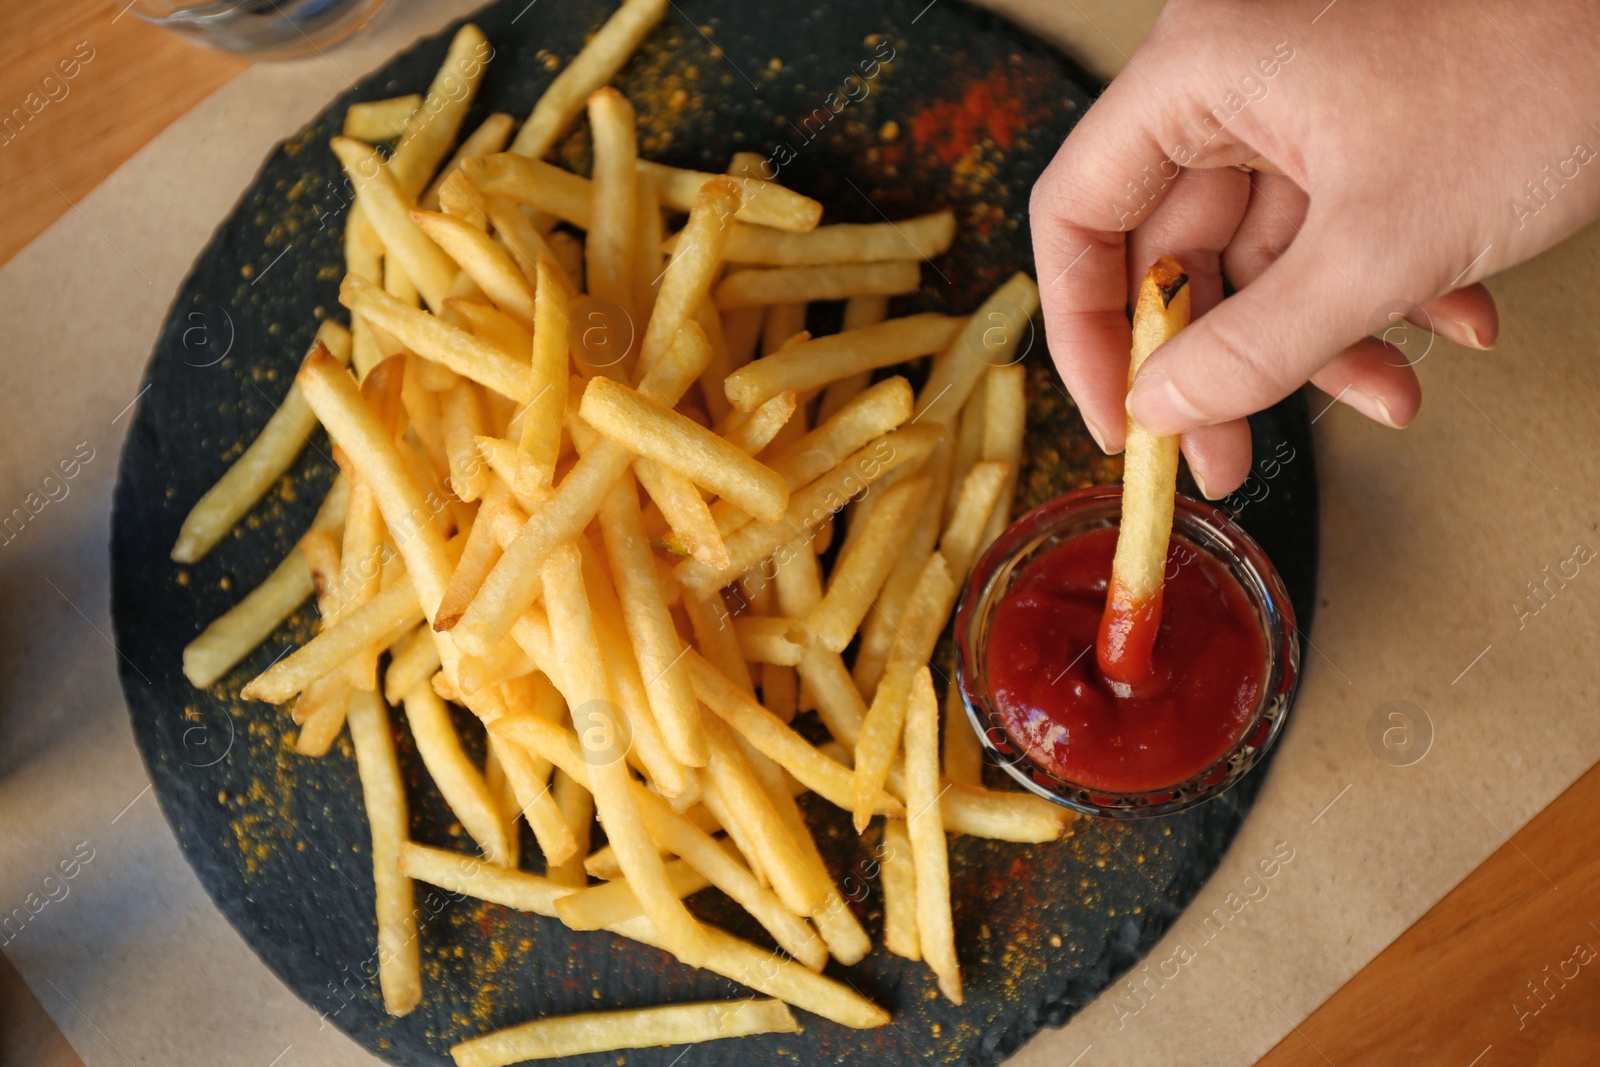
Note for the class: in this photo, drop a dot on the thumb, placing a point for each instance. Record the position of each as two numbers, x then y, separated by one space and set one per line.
1257 346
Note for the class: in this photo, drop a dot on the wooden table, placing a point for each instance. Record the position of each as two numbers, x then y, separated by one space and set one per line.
1474 975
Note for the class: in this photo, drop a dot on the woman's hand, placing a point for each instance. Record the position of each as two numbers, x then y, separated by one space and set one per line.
1396 153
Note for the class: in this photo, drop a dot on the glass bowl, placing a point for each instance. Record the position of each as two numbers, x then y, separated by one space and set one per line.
1208 529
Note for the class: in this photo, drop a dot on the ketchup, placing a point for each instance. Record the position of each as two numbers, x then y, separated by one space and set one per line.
1208 665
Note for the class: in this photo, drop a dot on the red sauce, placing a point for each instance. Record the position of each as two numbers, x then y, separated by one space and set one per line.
1208 665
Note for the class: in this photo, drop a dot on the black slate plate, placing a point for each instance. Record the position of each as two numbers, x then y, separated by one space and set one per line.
977 109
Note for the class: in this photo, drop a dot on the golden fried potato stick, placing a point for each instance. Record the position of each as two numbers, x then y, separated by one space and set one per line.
272 452
459 781
433 128
864 564
609 256
898 874
925 826
989 339
388 208
762 203
484 260
380 120
832 281
490 137
599 61
1149 487
817 362
691 269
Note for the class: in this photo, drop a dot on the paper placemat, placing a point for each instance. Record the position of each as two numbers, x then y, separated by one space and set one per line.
1430 540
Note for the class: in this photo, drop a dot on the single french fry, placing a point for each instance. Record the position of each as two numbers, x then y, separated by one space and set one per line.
596 717
761 203
919 626
388 208
530 781
485 262
460 199
352 425
324 718
811 506
834 281
968 445
655 430
360 573
817 362
593 67
685 511
505 798
462 421
411 665
646 259
713 633
1004 426
459 782
609 258
925 827
528 247
597 907
380 120
775 740
252 474
865 564
980 496
432 338
839 702
922 237
469 876
541 420
963 753
490 137
514 582
478 557
783 327
767 639
989 339
383 793
540 185
576 1035
899 875
577 808
435 125
689 272
755 431
1149 485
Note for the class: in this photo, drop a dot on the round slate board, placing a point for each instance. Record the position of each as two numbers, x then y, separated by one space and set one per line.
878 112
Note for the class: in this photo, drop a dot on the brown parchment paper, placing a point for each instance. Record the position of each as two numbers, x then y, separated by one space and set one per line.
1428 540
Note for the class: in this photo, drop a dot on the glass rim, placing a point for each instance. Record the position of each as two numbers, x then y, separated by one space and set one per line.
1209 529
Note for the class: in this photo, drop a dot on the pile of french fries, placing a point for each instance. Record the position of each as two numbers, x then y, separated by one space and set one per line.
603 541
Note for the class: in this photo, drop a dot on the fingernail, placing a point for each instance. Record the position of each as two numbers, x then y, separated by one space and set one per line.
1200 484
1372 407
1157 403
1472 339
1099 437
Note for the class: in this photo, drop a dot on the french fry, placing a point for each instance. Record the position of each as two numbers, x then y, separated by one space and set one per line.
826 359
646 254
434 127
922 237
360 574
980 496
968 445
755 431
767 639
352 425
462 422
1004 425
388 208
1149 486
485 262
514 582
575 1035
576 804
478 557
412 664
593 67
459 782
689 272
540 185
572 628
865 563
785 322
655 640
494 776
601 906
609 251
899 875
652 429
835 281
469 876
989 339
839 702
761 203
530 782
811 506
490 137
522 239
326 702
380 120
963 753
685 511
713 633
541 419
383 793
252 474
925 827
460 199
920 625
